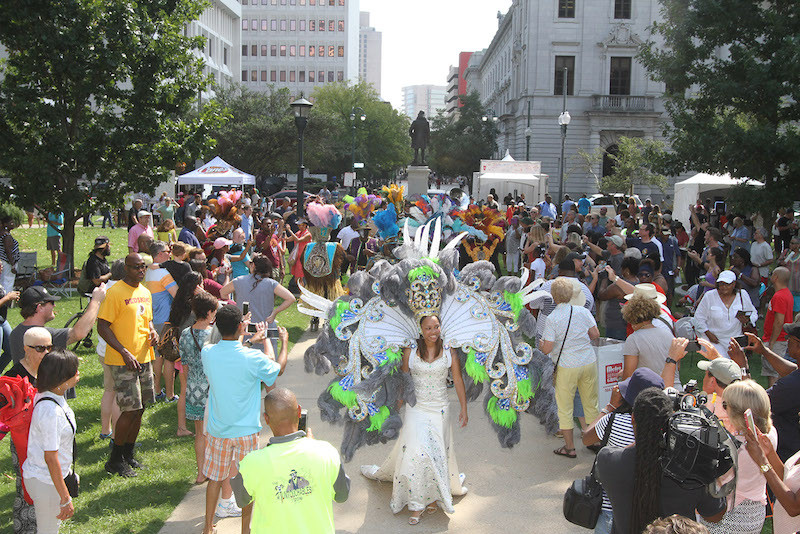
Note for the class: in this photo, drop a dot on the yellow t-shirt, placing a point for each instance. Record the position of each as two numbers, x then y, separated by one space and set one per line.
129 310
168 237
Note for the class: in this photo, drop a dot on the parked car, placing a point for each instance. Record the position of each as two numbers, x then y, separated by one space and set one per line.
291 193
601 200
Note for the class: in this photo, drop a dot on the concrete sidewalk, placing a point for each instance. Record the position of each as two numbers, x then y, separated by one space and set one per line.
518 490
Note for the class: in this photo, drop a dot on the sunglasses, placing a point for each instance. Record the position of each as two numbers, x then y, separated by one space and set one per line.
41 348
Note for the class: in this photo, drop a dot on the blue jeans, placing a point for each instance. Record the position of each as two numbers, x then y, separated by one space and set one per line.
5 343
604 522
577 406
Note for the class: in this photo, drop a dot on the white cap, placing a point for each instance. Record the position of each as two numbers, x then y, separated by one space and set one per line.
727 277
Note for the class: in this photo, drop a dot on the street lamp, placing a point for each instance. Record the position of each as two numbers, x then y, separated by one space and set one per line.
563 121
488 117
362 116
302 108
528 133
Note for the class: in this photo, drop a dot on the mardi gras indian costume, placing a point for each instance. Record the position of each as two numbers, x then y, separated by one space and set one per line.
322 260
482 318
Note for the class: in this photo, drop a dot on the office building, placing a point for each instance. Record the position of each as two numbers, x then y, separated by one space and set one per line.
427 98
369 53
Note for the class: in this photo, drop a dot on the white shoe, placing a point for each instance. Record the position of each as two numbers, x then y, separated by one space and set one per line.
228 508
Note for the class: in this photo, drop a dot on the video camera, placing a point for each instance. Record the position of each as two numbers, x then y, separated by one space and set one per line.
697 447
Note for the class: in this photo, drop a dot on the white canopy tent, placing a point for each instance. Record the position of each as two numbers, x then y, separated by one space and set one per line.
510 176
216 172
688 191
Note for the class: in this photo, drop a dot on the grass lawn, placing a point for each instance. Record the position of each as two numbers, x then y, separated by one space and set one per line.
113 504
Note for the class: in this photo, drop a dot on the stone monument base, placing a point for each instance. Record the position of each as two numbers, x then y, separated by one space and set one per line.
418 179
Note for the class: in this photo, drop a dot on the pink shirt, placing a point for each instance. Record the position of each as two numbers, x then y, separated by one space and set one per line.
782 522
751 484
135 232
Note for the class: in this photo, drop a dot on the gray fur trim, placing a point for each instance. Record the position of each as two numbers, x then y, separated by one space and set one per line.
511 284
543 404
473 389
360 286
329 407
483 270
375 380
400 386
527 323
508 437
354 437
448 261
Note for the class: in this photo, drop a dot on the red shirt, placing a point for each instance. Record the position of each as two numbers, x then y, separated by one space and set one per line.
782 302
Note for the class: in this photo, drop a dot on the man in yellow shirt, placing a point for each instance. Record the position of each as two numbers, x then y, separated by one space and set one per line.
125 322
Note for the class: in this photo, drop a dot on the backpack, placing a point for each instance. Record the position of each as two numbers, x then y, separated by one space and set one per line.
16 411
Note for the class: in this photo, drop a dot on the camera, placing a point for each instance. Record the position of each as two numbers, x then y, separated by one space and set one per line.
251 327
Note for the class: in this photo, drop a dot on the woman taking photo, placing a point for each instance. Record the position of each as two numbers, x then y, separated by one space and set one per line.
422 464
723 312
568 332
746 516
51 441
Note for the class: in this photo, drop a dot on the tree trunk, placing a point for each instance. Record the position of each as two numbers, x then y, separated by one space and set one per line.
68 236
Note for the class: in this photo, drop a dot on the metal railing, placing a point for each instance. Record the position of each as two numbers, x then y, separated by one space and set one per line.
623 103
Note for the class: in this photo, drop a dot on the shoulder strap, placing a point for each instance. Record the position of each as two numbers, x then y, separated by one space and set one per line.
74 431
670 326
194 338
565 336
607 433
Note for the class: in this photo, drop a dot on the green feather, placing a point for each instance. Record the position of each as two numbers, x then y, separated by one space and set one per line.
341 307
504 418
475 371
377 420
392 356
515 301
524 390
422 270
347 398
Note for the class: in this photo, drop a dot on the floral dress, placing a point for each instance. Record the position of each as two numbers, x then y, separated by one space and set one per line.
196 381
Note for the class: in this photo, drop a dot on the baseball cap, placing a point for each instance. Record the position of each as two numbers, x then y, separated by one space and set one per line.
34 295
222 242
143 213
574 256
100 241
641 379
633 252
566 265
617 240
727 277
793 329
723 369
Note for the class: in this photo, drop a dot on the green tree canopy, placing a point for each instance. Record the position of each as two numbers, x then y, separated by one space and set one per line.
458 143
733 87
98 99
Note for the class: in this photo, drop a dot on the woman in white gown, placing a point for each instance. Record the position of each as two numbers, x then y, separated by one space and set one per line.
422 465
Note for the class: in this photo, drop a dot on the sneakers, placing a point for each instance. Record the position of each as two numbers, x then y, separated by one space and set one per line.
174 398
161 396
228 508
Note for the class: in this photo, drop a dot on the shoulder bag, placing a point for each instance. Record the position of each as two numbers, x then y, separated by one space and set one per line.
583 500
168 342
561 350
72 480
747 327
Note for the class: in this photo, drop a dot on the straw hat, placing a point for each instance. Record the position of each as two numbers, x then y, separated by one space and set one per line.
648 291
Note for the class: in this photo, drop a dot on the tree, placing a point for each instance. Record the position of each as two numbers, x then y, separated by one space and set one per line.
733 87
381 140
633 165
97 100
458 143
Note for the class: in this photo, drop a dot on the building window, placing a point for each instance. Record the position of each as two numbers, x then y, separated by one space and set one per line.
331 51
566 9
273 75
291 76
321 51
225 56
331 25
311 75
283 2
312 24
341 25
569 63
283 50
283 75
264 2
273 50
264 25
302 2
292 2
254 24
302 50
273 25
263 76
244 50
620 76
340 76
244 2
312 50
341 2
244 26
253 75
312 2
321 76
321 26
283 25
263 50
292 50
330 75
274 2
301 76
622 9
254 50
292 25
341 51
303 25
244 75
609 163
331 2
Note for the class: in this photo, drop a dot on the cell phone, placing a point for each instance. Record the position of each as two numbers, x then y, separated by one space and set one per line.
748 417
272 333
693 346
245 308
742 341
303 423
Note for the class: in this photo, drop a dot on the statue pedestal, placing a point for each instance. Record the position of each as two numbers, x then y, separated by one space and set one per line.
418 179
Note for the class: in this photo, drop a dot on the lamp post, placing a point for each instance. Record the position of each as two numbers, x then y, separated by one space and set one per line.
362 116
490 116
301 108
528 132
563 121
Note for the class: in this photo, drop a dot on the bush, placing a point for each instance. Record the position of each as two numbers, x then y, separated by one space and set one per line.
15 212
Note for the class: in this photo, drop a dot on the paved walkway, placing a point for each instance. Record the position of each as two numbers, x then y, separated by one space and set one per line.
518 490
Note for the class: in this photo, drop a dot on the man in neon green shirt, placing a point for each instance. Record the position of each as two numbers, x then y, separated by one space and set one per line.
294 479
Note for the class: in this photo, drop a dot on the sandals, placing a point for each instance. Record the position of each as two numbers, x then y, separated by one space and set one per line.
431 508
564 451
414 519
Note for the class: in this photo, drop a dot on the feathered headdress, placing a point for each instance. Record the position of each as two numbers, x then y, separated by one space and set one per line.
363 205
323 215
224 206
487 220
425 209
386 221
394 195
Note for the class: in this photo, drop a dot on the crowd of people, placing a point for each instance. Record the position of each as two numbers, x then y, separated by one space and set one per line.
202 283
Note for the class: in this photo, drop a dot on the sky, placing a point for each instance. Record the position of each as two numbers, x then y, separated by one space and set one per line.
422 38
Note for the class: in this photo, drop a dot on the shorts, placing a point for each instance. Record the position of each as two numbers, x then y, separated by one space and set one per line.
108 378
134 389
779 349
221 453
54 243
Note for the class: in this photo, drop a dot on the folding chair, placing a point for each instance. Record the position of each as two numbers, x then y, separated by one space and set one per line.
59 283
26 270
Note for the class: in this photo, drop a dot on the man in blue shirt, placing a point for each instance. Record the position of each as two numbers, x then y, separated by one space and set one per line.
566 205
584 205
55 225
187 235
548 209
235 373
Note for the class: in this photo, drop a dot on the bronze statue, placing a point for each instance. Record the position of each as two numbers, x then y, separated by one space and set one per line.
420 133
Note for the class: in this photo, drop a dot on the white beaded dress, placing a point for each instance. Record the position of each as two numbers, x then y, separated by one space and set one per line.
422 464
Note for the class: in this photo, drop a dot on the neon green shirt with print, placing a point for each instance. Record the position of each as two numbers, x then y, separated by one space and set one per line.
292 486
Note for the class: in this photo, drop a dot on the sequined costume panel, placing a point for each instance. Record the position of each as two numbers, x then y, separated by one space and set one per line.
330 284
422 465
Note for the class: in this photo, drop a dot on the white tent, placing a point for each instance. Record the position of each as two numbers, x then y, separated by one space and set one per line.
216 172
510 176
702 185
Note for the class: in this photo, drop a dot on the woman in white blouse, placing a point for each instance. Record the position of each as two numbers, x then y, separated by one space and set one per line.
723 312
51 441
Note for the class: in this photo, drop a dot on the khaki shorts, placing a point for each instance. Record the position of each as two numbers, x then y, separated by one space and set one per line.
54 243
223 453
134 389
108 378
779 349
